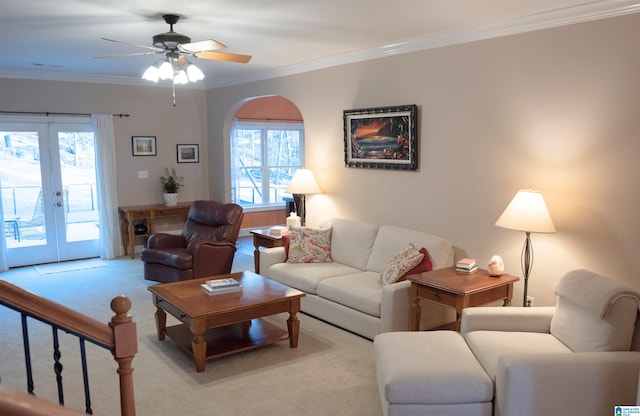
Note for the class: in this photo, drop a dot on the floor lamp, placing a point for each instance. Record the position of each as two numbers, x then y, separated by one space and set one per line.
527 212
302 183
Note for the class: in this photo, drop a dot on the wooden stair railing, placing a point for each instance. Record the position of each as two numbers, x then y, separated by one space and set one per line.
118 336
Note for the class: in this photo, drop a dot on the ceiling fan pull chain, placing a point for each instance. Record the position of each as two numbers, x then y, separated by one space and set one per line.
173 85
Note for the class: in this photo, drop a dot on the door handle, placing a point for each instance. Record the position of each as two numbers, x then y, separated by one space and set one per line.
58 193
58 204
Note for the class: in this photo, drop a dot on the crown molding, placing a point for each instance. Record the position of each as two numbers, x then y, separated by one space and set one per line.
596 10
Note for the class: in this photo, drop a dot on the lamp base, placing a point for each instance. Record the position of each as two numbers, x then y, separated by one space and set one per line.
299 201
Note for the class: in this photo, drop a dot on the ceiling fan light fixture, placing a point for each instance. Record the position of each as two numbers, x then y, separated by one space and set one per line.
151 74
166 70
180 77
194 73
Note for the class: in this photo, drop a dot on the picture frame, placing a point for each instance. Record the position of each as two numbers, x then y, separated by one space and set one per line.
188 153
143 145
381 138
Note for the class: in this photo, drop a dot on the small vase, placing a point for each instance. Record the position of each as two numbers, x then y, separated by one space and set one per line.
171 200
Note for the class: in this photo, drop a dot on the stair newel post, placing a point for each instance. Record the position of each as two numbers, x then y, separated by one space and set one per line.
125 347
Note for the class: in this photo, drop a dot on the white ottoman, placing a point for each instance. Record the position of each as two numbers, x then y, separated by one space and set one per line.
430 373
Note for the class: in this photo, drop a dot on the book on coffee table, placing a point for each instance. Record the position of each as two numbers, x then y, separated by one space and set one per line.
222 283
219 291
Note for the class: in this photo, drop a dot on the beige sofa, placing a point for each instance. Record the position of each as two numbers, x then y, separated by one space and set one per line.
581 357
347 291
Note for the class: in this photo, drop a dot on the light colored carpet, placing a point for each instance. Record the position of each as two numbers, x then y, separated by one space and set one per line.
332 372
69 266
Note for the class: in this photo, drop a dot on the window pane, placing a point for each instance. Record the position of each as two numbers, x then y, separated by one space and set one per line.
284 147
279 179
249 190
249 147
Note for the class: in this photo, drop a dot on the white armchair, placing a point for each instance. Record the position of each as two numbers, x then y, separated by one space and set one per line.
579 357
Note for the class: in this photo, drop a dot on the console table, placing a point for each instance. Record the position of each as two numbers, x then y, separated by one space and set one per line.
147 213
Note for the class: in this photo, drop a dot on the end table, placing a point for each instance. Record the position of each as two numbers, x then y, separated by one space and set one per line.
457 290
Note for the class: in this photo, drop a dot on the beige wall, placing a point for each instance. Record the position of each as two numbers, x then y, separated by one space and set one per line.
556 110
151 114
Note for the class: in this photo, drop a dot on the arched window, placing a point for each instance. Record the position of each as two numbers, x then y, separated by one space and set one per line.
267 147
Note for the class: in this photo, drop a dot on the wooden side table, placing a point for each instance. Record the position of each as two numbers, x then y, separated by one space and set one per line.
262 238
457 290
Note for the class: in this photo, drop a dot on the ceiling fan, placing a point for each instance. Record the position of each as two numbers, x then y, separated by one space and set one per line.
174 42
175 46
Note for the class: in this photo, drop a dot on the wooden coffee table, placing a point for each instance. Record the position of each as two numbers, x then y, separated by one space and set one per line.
212 326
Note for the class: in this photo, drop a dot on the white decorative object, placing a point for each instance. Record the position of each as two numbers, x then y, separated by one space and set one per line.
496 266
293 221
171 200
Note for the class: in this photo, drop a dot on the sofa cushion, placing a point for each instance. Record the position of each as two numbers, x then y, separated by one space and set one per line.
351 241
305 276
488 346
309 245
404 261
391 240
429 367
594 313
361 291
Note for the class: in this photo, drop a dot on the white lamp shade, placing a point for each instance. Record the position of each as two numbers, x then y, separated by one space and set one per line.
166 70
527 212
151 74
180 78
194 73
303 182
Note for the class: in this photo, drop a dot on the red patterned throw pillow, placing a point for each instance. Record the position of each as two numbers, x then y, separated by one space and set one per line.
309 245
408 258
424 266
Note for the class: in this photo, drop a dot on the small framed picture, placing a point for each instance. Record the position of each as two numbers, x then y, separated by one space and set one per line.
188 153
143 145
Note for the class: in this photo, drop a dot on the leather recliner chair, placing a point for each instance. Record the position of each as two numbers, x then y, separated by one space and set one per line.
206 246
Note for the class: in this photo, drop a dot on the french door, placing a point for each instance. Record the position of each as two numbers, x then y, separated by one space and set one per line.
48 190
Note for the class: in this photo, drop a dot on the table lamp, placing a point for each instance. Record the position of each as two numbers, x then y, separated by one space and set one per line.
302 183
527 212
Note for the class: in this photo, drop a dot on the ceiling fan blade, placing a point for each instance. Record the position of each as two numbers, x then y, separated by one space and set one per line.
223 56
153 48
126 54
203 45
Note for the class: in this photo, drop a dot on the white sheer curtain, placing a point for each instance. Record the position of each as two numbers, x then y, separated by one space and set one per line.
235 168
3 242
110 246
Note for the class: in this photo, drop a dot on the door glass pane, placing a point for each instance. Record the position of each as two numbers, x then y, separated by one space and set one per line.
79 198
21 187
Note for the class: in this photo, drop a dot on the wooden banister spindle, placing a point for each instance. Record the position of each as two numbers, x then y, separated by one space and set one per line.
125 347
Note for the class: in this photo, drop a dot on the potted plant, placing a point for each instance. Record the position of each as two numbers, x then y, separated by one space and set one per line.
170 185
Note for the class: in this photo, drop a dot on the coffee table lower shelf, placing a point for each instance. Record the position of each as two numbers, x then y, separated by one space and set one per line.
230 339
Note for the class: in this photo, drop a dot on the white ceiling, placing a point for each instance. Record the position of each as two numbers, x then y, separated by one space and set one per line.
59 39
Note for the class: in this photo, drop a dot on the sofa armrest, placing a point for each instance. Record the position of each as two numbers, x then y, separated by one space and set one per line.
165 240
563 384
487 318
211 258
269 257
394 310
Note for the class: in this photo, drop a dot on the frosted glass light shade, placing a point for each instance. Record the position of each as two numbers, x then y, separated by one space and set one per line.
194 73
166 70
527 212
303 182
151 74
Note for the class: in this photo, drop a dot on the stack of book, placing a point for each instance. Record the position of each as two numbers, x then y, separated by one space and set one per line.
466 266
278 230
220 286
